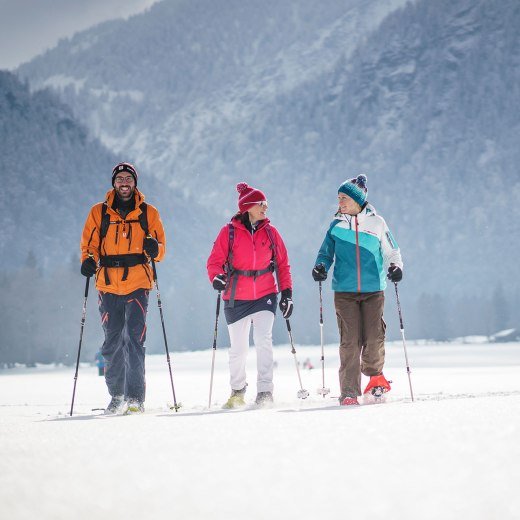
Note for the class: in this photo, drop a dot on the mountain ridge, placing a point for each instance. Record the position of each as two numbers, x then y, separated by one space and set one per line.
421 99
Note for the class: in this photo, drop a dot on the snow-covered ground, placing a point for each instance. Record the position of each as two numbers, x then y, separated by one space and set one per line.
454 453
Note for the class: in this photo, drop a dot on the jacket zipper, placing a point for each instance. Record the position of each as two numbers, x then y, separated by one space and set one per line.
254 265
358 257
129 235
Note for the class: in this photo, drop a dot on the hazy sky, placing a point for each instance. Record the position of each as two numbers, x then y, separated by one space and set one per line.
29 27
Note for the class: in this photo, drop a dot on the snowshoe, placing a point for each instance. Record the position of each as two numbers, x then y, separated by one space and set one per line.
264 399
236 400
115 406
134 407
348 400
377 386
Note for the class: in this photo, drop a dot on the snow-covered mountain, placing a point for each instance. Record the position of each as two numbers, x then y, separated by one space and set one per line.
29 27
48 165
186 65
294 98
52 172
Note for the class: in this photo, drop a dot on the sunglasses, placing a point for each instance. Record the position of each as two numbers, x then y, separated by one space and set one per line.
262 203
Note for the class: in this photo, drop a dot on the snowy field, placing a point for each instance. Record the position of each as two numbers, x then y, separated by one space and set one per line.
454 453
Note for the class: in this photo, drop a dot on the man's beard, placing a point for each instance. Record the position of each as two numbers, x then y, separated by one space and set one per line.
127 195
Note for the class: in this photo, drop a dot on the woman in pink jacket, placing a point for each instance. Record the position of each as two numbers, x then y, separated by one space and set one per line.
245 258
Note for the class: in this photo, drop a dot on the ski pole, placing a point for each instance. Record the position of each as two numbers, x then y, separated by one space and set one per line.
322 391
175 405
83 317
404 341
214 348
302 394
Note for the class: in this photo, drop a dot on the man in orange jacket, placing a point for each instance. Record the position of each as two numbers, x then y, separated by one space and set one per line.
120 237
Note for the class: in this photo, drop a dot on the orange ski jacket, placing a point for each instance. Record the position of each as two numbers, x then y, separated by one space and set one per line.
124 238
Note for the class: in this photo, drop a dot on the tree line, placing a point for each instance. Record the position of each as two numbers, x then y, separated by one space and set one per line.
40 320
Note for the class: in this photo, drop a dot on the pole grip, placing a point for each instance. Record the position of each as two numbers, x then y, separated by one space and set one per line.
154 271
218 304
288 324
321 305
399 307
215 331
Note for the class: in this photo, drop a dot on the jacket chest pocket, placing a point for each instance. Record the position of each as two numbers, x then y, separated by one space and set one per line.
263 250
123 237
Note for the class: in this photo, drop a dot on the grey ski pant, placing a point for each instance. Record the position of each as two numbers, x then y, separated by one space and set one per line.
124 324
362 338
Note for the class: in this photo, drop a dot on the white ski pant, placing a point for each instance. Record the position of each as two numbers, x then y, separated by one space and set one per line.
262 322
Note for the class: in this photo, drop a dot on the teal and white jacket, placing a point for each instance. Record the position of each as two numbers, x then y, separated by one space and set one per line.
362 248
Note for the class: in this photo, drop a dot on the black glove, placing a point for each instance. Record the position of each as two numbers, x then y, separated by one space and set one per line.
151 247
286 303
219 282
319 273
88 267
395 274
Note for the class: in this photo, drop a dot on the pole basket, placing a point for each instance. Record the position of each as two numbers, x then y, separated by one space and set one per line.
323 391
303 394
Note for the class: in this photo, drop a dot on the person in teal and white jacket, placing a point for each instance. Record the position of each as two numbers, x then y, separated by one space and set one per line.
364 254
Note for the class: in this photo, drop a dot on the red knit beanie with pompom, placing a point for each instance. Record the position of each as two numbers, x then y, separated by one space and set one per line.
248 196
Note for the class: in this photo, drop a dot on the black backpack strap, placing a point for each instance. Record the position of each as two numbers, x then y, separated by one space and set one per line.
232 275
143 217
231 235
105 222
103 230
125 261
269 232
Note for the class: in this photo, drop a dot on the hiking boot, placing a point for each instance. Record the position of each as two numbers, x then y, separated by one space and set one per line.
377 386
135 406
115 405
348 400
264 398
236 400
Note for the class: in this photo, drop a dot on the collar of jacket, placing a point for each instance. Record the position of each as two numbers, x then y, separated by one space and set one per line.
367 211
240 225
110 196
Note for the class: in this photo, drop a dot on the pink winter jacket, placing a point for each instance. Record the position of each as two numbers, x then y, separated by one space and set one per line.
251 252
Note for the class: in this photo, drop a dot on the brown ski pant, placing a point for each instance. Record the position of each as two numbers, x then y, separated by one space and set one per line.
362 338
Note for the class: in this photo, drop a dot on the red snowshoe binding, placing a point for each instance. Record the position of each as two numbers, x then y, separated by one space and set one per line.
349 401
377 386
